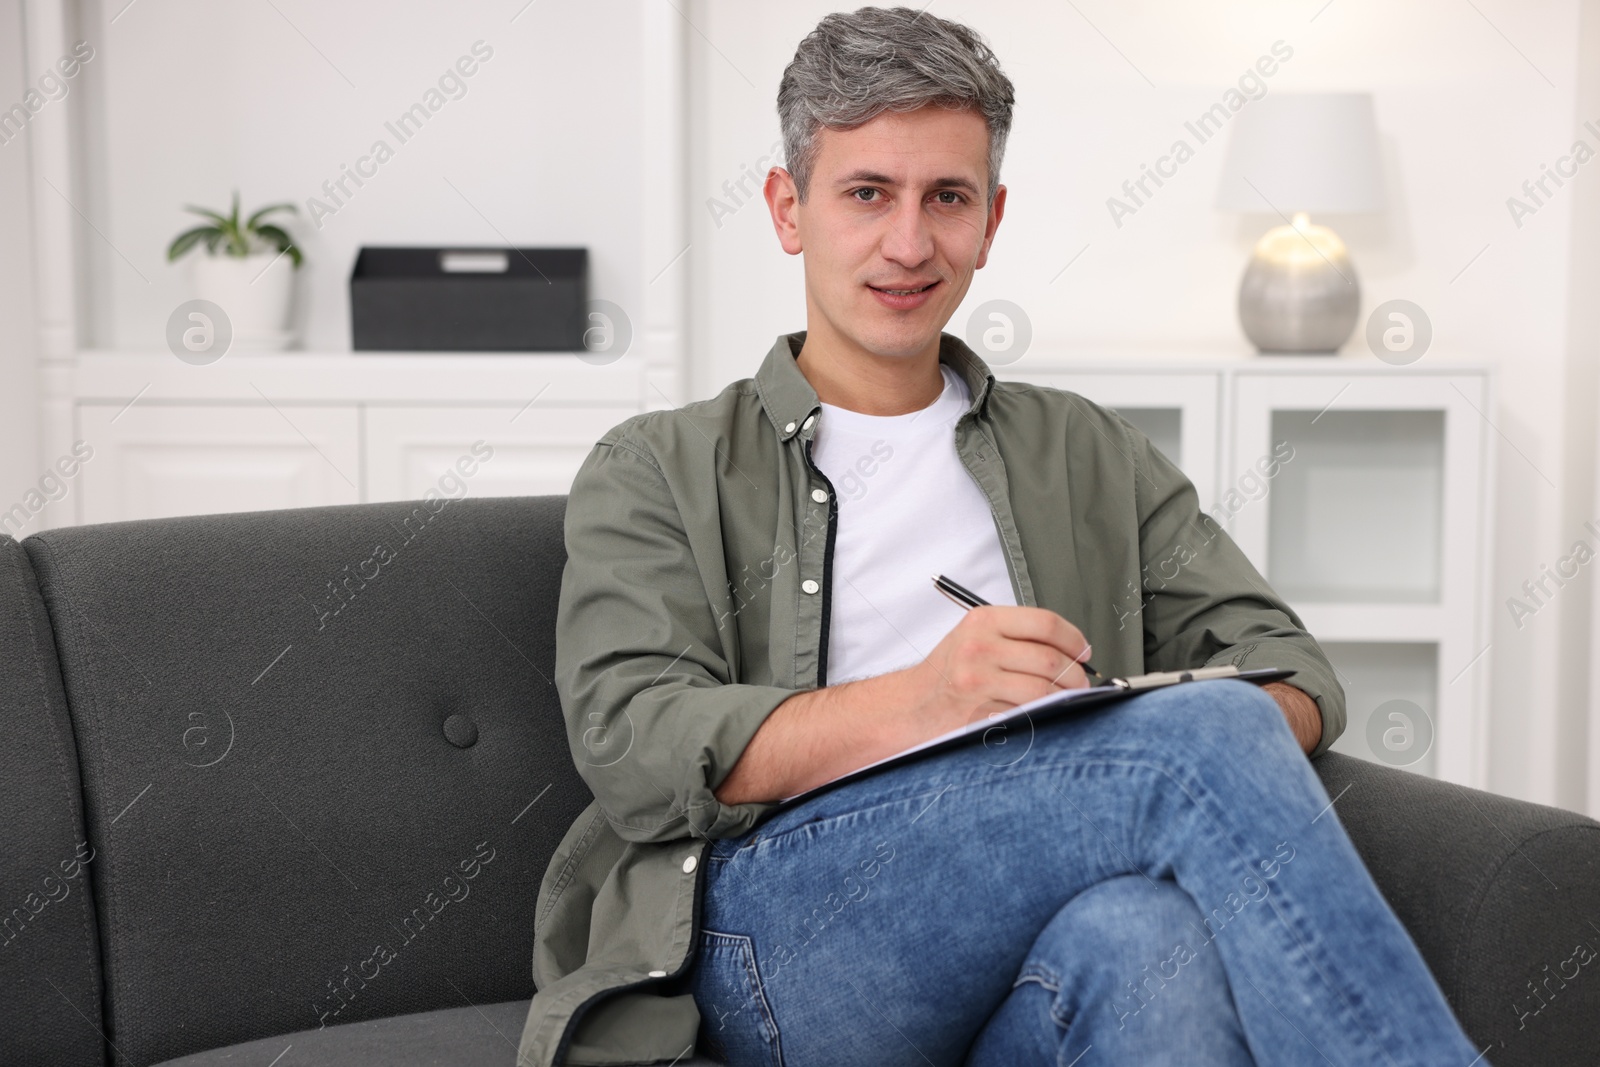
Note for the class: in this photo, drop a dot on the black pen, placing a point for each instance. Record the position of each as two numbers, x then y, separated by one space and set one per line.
969 600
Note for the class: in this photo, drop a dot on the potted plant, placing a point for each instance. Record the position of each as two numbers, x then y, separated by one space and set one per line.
248 271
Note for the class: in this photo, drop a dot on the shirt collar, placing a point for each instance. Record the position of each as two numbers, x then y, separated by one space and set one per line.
789 399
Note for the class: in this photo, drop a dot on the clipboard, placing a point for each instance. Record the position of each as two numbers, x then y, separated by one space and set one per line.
1054 704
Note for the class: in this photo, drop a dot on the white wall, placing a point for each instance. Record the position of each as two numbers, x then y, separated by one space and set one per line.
19 414
1580 632
1465 117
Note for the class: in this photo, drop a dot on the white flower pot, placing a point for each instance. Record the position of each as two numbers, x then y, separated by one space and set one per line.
254 291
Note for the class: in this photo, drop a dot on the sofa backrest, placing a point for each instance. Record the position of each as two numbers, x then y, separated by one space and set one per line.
49 955
323 759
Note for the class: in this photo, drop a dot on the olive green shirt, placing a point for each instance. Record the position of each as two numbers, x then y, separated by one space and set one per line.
695 600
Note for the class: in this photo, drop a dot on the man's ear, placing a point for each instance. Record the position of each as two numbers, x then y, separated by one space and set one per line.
783 202
996 212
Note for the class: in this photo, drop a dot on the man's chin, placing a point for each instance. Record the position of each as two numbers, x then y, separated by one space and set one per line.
898 338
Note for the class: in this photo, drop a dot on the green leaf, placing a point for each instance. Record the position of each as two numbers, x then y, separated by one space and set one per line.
251 224
187 240
235 237
282 240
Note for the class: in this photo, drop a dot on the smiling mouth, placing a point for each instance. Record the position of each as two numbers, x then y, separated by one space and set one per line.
904 292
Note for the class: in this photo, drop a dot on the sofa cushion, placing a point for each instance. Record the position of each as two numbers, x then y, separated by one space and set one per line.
49 959
482 1036
324 764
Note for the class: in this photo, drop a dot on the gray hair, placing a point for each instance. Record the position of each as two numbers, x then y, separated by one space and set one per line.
854 67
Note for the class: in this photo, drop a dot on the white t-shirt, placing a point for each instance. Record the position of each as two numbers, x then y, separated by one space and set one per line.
908 510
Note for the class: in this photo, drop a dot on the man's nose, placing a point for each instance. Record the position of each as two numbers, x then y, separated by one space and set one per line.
907 237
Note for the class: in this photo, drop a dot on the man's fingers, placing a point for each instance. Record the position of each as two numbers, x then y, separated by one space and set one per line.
1044 662
1068 684
1024 688
1037 624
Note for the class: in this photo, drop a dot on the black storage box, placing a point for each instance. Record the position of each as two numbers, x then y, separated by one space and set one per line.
479 299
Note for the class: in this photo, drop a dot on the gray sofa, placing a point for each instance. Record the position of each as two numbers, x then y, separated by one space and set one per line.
289 780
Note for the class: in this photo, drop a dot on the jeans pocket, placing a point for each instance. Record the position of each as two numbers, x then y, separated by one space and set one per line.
723 848
736 1023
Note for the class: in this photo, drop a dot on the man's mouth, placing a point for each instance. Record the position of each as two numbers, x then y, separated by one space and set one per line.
904 292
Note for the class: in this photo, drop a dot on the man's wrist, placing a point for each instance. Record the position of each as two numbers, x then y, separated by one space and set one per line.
1301 710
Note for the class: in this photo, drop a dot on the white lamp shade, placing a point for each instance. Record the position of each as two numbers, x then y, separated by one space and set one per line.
1311 152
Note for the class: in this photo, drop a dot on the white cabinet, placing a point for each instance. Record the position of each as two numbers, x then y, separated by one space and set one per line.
252 432
1375 531
511 451
155 460
1361 491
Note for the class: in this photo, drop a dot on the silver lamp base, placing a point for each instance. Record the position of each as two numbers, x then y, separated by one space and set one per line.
1299 294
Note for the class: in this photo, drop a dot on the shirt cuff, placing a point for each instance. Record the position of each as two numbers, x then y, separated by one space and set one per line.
1313 675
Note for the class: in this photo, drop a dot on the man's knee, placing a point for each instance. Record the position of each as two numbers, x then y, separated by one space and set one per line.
1123 942
1123 919
1224 715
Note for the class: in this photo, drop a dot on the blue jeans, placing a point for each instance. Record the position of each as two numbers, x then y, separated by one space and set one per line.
1160 881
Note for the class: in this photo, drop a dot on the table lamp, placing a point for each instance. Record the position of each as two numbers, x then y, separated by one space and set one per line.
1291 155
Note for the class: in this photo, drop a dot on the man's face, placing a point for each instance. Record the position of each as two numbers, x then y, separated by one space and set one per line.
894 224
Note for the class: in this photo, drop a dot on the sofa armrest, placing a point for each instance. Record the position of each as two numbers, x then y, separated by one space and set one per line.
1501 896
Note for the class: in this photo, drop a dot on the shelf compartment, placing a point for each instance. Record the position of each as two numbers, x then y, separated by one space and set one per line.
1357 514
1391 702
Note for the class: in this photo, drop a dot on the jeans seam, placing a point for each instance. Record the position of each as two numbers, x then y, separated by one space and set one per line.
744 947
1038 972
1046 979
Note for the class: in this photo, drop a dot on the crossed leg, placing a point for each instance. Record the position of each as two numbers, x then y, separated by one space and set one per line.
888 920
1124 973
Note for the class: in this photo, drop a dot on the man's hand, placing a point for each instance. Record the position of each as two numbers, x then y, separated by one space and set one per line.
996 657
1305 719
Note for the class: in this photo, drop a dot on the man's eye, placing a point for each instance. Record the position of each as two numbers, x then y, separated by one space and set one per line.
866 196
955 198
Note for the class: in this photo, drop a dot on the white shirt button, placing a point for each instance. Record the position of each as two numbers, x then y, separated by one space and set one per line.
688 865
809 420
819 495
658 974
789 428
809 586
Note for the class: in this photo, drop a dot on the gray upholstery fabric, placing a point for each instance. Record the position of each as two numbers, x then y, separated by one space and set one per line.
274 792
274 789
49 955
1497 894
483 1036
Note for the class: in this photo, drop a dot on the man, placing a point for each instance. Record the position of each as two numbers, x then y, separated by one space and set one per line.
747 613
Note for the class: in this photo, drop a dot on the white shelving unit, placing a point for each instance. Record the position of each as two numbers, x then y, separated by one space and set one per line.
300 429
1375 529
1375 533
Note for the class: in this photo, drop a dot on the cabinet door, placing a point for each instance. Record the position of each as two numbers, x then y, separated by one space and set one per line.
156 460
510 450
1178 412
1372 529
